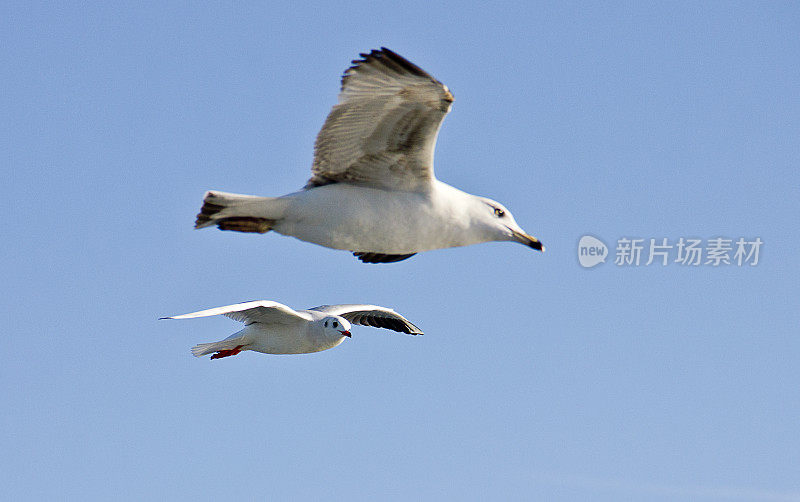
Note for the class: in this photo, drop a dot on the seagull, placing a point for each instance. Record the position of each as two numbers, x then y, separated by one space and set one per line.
273 328
372 189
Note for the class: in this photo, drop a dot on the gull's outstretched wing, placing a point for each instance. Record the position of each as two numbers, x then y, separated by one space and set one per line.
383 131
261 311
371 315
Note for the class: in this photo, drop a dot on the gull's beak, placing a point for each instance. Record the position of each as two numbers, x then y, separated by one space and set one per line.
346 333
526 239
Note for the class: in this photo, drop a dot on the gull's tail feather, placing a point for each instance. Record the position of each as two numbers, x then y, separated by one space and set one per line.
202 349
241 213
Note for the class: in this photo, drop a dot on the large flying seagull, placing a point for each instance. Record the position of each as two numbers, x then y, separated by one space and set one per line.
372 189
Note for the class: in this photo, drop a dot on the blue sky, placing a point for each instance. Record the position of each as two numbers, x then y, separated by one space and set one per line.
536 377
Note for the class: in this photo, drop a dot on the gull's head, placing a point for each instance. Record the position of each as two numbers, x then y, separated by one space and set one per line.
499 224
335 327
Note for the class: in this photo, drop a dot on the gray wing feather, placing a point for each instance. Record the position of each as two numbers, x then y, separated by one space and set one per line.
263 311
383 131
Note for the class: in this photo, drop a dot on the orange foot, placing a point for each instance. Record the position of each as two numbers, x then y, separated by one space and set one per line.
226 353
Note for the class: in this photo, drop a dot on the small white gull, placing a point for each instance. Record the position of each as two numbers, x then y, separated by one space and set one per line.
372 189
273 328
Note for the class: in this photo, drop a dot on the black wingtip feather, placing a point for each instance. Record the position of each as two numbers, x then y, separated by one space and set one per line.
377 321
403 62
381 258
389 60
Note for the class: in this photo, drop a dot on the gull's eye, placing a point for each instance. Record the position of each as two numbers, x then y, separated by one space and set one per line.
335 324
499 212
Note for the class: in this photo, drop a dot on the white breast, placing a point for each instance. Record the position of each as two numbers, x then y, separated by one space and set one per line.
277 339
355 218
